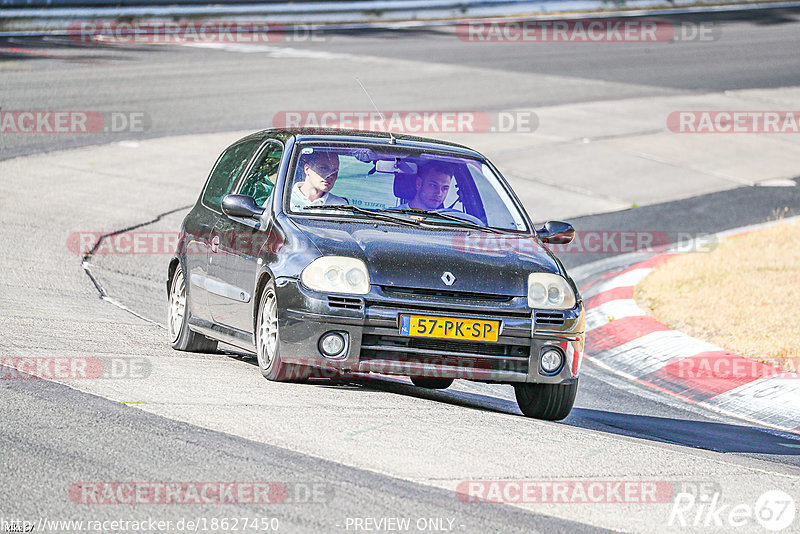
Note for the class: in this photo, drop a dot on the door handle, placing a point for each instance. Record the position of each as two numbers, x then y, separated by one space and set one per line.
215 244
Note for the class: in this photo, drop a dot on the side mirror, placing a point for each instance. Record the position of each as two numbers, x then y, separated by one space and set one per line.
241 206
556 233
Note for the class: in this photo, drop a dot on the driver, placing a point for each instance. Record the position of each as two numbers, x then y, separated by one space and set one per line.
320 171
433 184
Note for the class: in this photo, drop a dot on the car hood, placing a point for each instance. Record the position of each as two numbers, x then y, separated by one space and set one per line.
400 256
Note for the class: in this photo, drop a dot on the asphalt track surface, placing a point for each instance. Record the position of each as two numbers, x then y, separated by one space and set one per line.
53 436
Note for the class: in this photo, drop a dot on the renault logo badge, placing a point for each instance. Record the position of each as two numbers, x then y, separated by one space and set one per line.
448 278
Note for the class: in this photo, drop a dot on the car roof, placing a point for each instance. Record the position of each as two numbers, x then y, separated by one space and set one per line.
343 135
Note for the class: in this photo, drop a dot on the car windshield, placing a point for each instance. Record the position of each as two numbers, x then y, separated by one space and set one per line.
406 184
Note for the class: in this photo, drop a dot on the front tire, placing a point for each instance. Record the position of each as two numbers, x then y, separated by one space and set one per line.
180 336
551 402
268 342
431 383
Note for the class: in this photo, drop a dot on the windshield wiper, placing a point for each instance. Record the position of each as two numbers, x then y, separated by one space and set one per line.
445 216
371 213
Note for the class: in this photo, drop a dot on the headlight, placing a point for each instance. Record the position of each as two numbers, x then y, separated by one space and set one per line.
336 274
549 292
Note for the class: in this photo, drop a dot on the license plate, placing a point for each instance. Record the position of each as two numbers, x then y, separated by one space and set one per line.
449 327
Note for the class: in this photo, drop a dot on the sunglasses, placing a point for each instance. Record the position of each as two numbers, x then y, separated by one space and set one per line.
324 171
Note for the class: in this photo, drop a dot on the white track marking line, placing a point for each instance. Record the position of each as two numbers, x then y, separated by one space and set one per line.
631 278
609 311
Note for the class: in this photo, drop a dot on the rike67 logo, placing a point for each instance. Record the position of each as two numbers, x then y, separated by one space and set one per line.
698 507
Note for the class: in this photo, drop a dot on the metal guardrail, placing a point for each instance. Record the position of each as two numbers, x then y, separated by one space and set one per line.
34 7
307 10
29 17
267 5
32 4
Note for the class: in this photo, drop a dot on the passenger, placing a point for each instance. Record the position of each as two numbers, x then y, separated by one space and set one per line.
320 171
433 184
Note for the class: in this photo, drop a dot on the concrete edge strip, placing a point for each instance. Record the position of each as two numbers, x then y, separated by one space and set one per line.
86 263
622 339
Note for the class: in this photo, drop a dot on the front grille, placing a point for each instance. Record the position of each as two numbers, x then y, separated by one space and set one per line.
449 308
462 354
443 293
446 345
550 318
347 303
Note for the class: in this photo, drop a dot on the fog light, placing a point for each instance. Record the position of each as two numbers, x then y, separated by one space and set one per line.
552 360
332 344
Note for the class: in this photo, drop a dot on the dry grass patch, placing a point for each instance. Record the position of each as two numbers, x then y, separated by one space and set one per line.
741 296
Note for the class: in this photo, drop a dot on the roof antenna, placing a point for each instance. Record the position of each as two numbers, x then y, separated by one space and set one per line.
394 141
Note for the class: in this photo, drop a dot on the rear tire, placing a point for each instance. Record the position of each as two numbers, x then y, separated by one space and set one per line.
551 402
268 342
431 383
180 336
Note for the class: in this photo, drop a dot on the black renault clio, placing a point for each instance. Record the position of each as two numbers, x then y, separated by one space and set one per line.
335 251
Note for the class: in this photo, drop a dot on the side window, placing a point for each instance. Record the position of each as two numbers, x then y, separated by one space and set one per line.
261 180
228 168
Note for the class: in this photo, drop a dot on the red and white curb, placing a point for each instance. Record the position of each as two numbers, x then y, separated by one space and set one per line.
623 339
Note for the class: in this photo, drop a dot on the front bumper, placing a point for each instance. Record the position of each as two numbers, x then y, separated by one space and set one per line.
371 325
